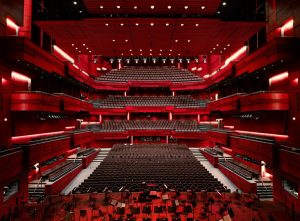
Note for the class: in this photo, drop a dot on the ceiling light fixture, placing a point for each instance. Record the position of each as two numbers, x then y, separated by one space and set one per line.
118 6
106 24
202 7
188 41
113 40
169 7
167 24
122 24
135 7
126 40
186 7
197 25
136 24
101 7
182 25
74 3
152 7
224 3
176 40
152 24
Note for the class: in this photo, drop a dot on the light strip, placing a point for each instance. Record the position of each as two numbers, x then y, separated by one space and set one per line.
229 127
63 54
208 122
16 138
262 134
89 123
19 77
287 26
278 77
10 23
70 127
85 73
236 55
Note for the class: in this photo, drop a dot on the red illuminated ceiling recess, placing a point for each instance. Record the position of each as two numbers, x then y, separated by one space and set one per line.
149 36
204 7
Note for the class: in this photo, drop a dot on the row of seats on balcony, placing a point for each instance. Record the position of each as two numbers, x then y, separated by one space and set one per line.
86 152
213 151
132 165
60 170
124 125
149 74
239 169
181 101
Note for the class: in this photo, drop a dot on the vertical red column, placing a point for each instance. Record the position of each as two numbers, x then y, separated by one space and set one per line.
27 19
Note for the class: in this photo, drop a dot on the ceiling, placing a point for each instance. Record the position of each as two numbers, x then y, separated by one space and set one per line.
151 37
202 7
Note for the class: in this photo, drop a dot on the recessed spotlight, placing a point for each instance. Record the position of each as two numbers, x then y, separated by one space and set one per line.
122 54
135 7
176 40
214 48
159 54
152 6
171 50
224 49
167 24
202 7
228 45
141 50
101 7
160 50
294 118
169 7
126 40
186 7
122 24
150 54
83 44
137 24
87 48
169 54
178 54
118 6
130 49
106 24
113 40
197 25
80 11
217 45
210 52
150 50
218 12
76 48
152 24
74 3
141 54
90 51
221 52
188 41
181 24
131 54
79 51
72 44
224 3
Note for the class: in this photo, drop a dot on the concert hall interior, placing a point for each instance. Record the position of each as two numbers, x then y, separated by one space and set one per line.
153 110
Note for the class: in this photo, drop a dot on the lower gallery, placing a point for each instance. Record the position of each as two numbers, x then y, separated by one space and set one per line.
149 110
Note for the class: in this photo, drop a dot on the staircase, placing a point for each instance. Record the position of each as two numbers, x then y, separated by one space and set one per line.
102 154
265 190
85 173
196 152
36 190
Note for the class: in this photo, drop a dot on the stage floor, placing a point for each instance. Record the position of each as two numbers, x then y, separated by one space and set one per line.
245 207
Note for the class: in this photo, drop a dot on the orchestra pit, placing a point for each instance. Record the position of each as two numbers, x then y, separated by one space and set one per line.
149 110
